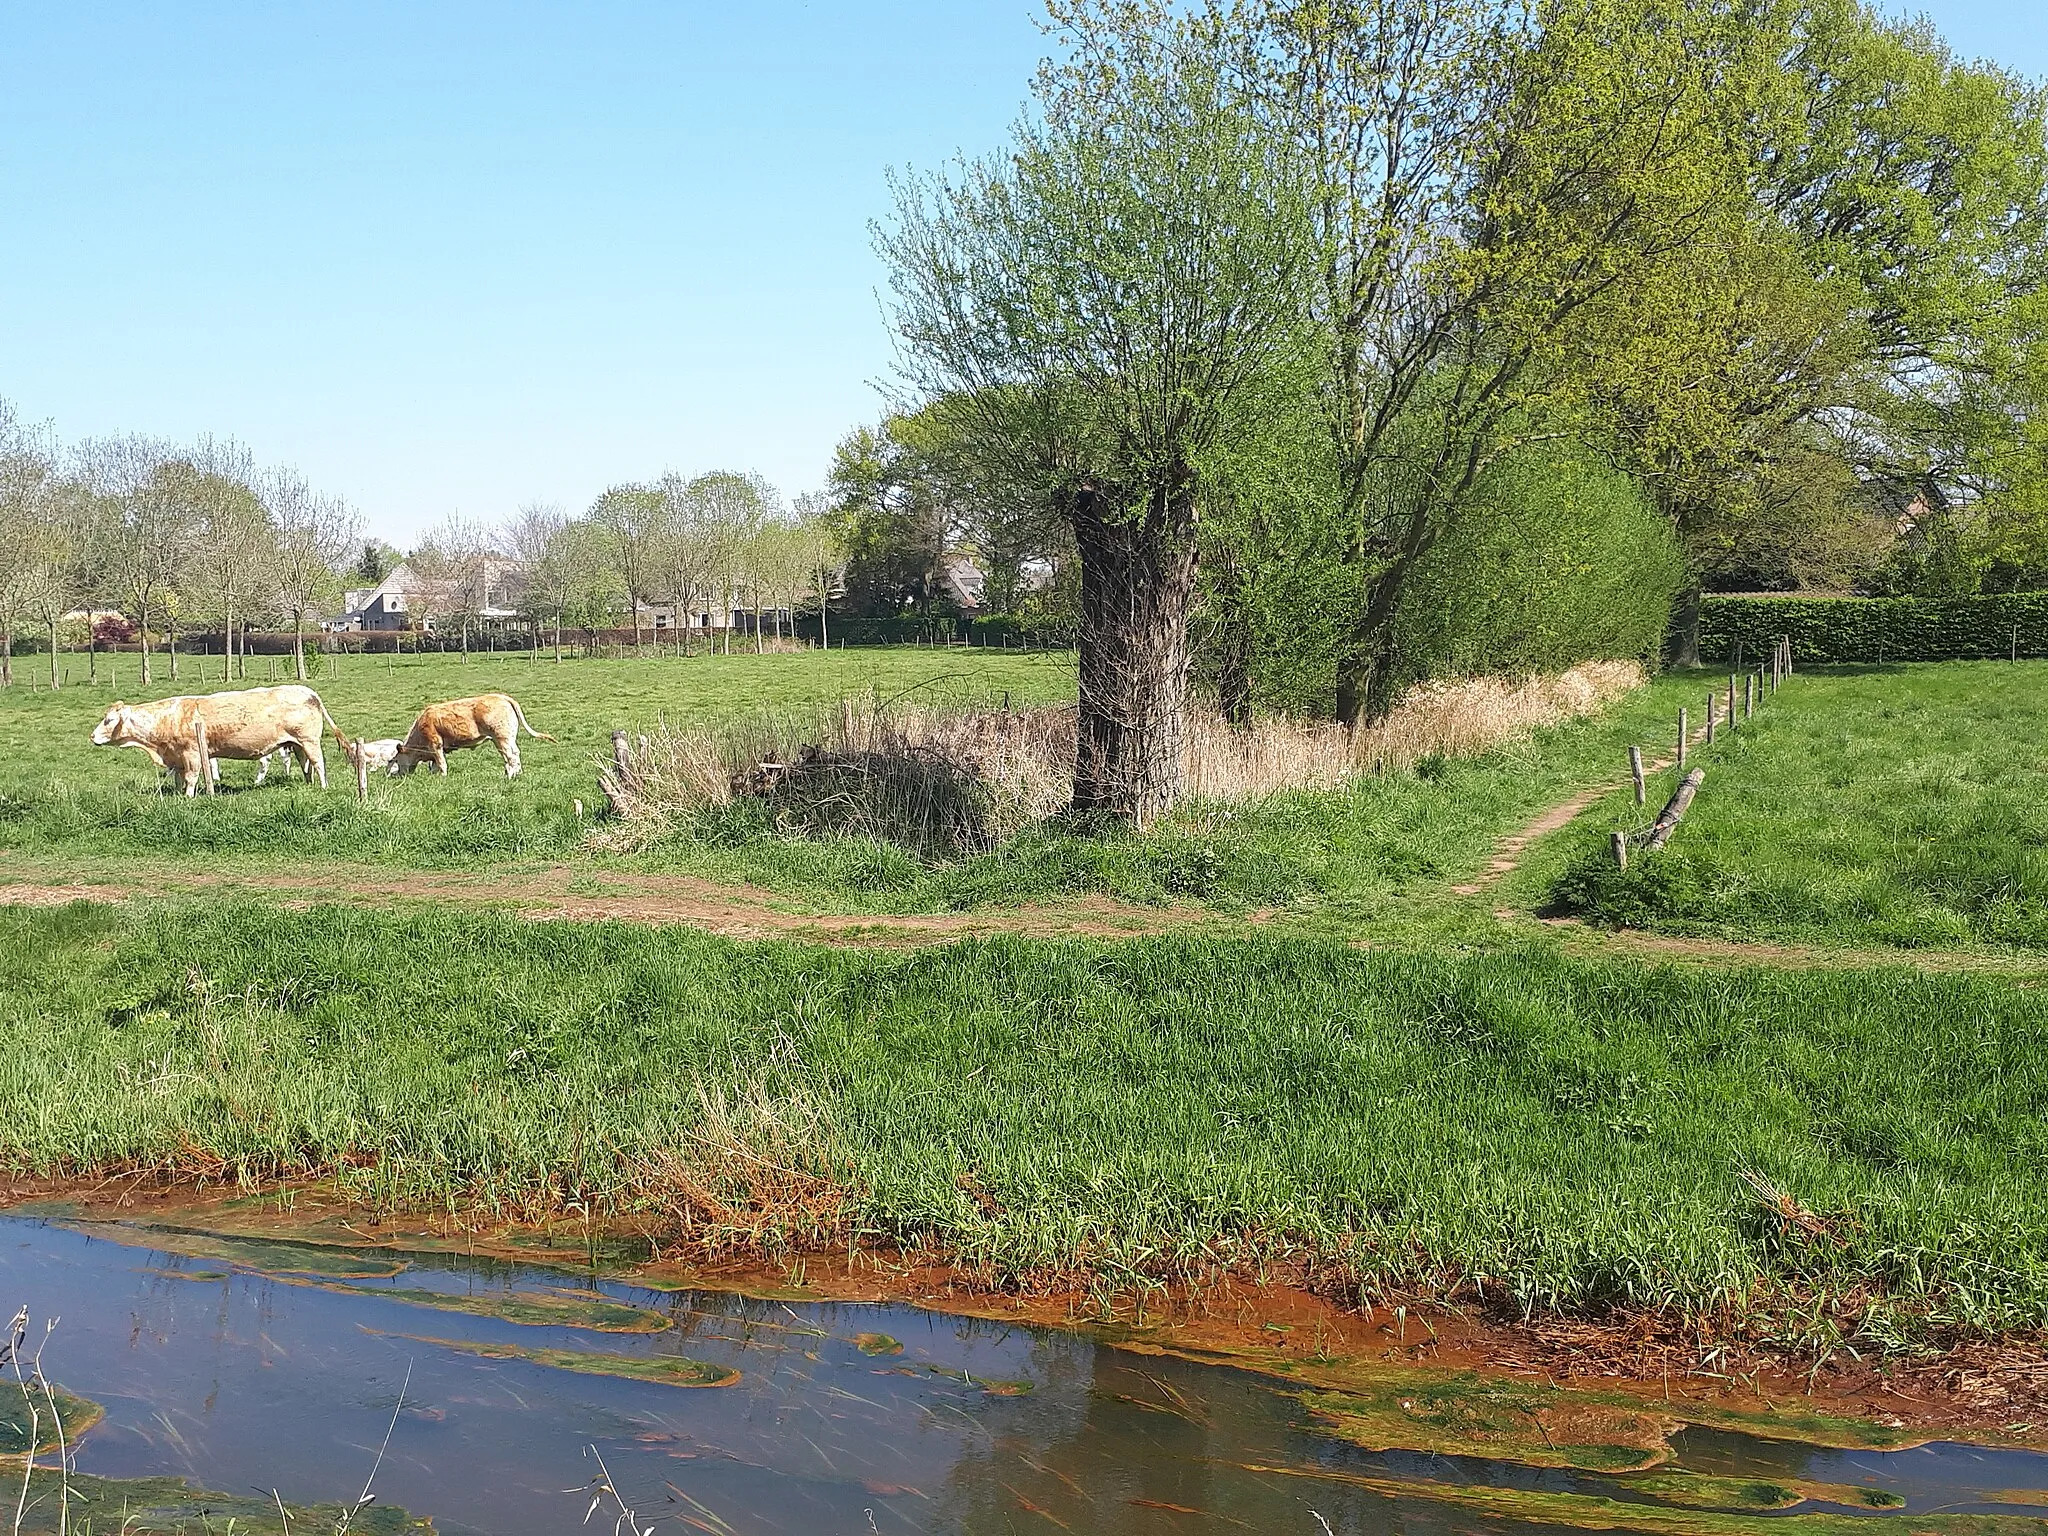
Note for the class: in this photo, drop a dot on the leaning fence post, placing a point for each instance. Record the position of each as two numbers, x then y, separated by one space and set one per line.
1675 809
1635 771
1710 716
1619 844
1683 732
205 758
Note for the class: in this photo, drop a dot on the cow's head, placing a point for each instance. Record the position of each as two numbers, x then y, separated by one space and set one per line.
404 762
114 728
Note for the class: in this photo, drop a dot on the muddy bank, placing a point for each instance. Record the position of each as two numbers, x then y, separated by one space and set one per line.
1639 1378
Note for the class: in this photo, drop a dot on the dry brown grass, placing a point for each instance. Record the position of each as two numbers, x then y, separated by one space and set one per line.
754 1176
952 782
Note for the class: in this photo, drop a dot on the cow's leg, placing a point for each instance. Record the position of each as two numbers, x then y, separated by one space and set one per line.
508 748
315 764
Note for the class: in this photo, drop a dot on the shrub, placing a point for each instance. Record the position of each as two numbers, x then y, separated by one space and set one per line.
1559 559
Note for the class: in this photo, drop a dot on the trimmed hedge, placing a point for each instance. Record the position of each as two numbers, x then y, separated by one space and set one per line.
1827 629
1001 630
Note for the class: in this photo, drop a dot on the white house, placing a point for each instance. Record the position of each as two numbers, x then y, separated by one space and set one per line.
406 600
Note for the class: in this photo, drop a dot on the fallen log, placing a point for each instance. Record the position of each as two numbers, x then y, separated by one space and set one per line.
1674 809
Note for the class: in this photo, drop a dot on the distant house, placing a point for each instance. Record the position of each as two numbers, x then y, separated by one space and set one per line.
407 600
962 581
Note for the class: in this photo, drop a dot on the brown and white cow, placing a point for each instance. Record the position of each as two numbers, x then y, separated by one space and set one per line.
247 724
460 723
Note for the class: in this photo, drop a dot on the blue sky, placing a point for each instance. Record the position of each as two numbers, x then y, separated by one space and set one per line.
456 257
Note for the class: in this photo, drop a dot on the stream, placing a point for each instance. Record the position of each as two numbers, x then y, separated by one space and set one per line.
253 1366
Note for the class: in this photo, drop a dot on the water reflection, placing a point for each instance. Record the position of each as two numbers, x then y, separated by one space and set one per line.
238 1379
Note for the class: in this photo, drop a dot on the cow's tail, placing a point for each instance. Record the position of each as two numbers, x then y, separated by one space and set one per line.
521 714
339 734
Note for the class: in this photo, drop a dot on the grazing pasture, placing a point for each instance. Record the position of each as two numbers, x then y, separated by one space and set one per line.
1903 806
1334 857
58 793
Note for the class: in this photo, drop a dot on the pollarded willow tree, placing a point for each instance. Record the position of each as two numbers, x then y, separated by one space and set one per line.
1106 309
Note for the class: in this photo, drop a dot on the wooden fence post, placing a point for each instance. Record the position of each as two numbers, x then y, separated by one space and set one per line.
361 764
1619 844
1635 770
1682 734
1710 717
1731 701
1674 811
1749 697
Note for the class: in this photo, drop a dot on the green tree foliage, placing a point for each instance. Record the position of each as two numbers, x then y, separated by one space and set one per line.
893 522
1107 308
1557 557
1867 334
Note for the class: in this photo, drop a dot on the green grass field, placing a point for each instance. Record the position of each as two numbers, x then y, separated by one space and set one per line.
1570 1133
1379 853
1903 806
60 795
1465 1104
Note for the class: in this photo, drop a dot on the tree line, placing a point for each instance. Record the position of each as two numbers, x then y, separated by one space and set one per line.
706 548
1280 311
167 535
199 537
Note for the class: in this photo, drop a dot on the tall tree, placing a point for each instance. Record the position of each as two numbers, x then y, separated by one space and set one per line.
1107 305
29 557
311 536
730 509
454 566
1490 181
634 523
227 564
145 527
894 522
821 544
687 554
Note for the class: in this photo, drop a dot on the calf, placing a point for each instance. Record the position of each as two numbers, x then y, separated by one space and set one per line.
460 723
247 724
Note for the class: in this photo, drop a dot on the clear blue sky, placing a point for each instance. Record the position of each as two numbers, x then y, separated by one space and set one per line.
455 256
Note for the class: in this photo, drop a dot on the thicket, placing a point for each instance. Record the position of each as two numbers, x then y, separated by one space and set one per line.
1558 558
1877 629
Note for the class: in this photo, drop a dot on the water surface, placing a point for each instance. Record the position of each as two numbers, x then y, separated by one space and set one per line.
261 1369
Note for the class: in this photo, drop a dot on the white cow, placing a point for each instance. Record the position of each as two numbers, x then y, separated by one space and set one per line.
247 724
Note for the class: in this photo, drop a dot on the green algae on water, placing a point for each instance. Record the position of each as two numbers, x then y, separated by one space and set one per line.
1594 1512
264 1255
665 1370
75 1415
1701 1490
170 1506
877 1344
533 1309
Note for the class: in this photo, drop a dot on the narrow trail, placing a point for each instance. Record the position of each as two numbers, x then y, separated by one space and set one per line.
579 894
1507 853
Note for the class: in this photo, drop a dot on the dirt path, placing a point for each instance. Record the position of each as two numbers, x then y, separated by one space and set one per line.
1507 854
581 894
